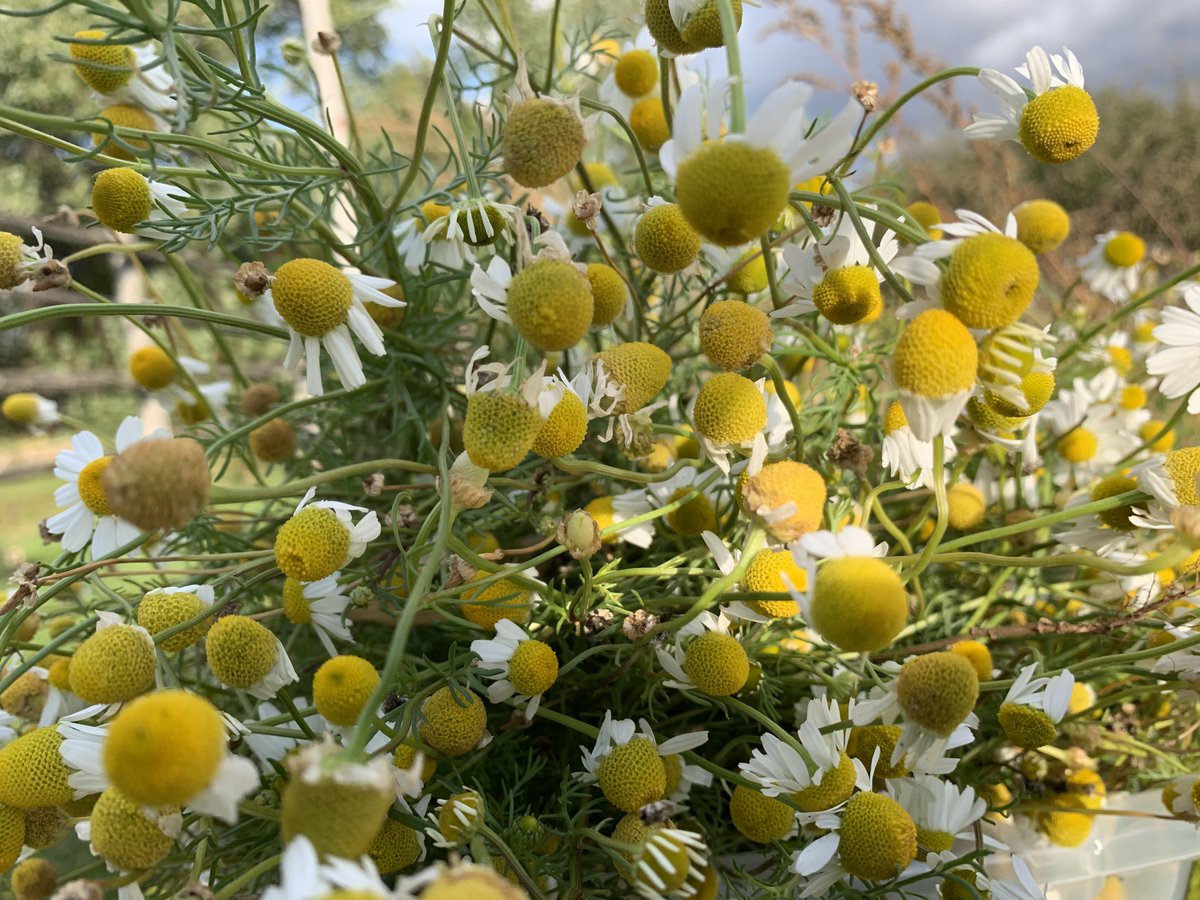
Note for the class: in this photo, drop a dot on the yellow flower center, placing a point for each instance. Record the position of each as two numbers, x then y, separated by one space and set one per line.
935 356
848 295
1113 486
500 428
926 215
760 819
1059 125
716 663
533 668
1133 396
641 369
894 419
550 303
312 544
978 655
990 281
123 836
311 296
503 599
159 611
766 573
779 484
636 73
1042 225
342 687
609 293
21 409
564 429
241 652
543 141
1026 726
729 409
461 816
732 192
835 787
1143 331
121 199
937 691
859 603
734 334
632 775
453 722
966 506
877 838
664 240
295 605
1124 250
1078 445
152 368
1151 429
102 67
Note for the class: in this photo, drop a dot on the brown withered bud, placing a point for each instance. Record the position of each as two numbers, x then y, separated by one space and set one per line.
273 442
252 279
637 623
850 453
327 43
866 93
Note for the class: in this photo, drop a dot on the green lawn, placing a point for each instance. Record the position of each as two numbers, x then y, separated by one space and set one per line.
24 502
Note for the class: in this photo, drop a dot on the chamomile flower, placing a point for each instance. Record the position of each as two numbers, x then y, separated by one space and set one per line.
905 456
772 570
544 136
501 425
1103 532
1058 124
243 654
167 607
934 369
525 668
1090 437
705 657
20 262
122 73
444 251
1179 362
165 748
1016 370
1113 268
729 414
321 604
321 537
32 411
127 835
942 812
634 75
322 305
695 516
668 864
610 511
89 517
1170 478
477 222
123 199
1033 707
626 761
710 169
303 876
456 819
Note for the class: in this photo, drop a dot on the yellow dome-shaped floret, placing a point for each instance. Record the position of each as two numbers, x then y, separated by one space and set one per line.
121 199
32 773
1078 445
550 303
632 775
978 655
12 836
1124 250
935 356
848 295
662 28
835 787
1036 387
124 115
115 664
45 826
750 276
124 837
499 430
990 281
664 240
564 429
1066 826
858 603
503 599
730 409
866 739
694 517
731 192
1183 466
241 652
878 838
774 571
1042 225
609 293
734 335
461 815
662 865
636 73
759 818
649 124
342 687
23 408
1059 125
312 296
164 748
91 487
1112 486
273 442
937 691
33 879
768 494
673 766
533 668
26 697
1027 726
312 544
103 67
1158 441
987 421
703 26
967 506
543 141
640 369
926 215
159 611
395 847
152 368
471 882
716 664
340 818
452 722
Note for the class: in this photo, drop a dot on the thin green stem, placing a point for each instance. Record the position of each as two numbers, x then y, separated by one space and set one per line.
733 57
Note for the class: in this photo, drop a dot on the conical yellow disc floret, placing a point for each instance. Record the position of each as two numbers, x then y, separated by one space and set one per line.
1078 445
937 691
988 421
1036 387
124 837
878 838
33 879
395 847
124 115
550 303
152 368
311 296
667 863
102 67
858 603
115 664
461 816
503 599
1124 250
12 836
966 506
759 818
779 484
935 356
121 199
452 723
703 27
45 826
1183 465
632 775
835 787
696 516
26 697
159 611
729 409
543 141
32 773
734 335
342 687
1059 125
1042 225
91 487
716 663
533 668
664 240
662 28
1112 486
978 655
751 276
848 295
341 818
312 544
23 408
866 739
641 369
767 572
926 215
636 73
164 748
609 293
649 124
564 429
406 755
732 192
499 430
241 652
1065 826
990 281
1027 726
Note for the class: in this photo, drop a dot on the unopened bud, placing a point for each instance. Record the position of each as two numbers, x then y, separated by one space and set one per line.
158 483
579 533
866 93
362 596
